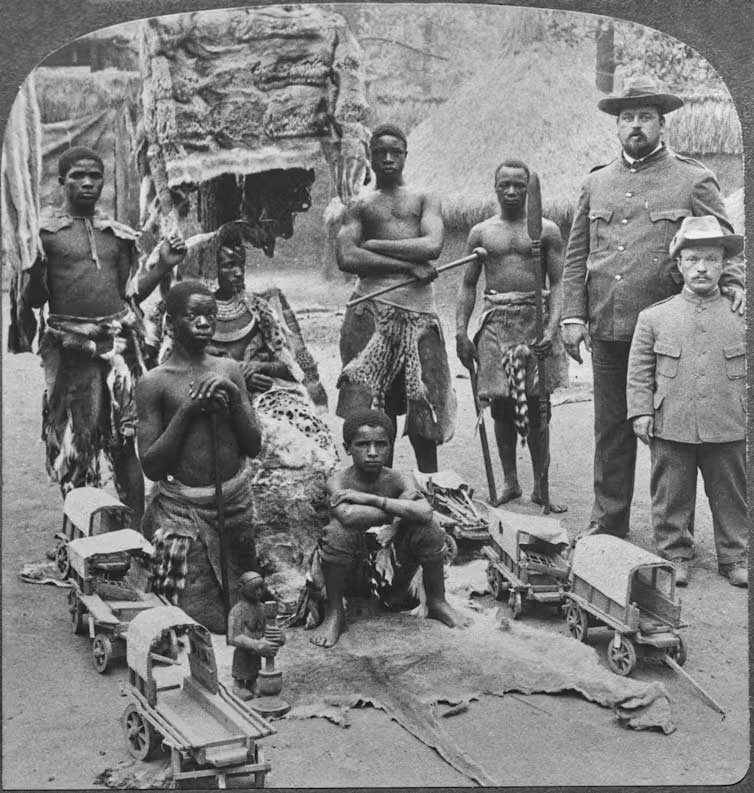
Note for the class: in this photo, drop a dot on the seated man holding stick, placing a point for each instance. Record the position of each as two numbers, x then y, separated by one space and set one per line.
392 347
196 427
369 494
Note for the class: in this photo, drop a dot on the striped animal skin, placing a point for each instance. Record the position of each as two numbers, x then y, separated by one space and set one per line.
515 360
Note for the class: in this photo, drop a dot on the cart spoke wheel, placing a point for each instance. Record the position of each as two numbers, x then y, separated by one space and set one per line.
576 620
140 735
77 613
621 659
62 562
496 583
102 652
678 654
516 604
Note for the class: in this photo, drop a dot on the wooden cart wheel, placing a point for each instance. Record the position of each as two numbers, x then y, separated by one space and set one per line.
678 654
621 659
450 550
62 562
496 583
576 620
102 652
78 621
516 604
141 737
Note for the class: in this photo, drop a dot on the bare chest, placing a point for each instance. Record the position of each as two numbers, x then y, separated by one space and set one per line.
392 217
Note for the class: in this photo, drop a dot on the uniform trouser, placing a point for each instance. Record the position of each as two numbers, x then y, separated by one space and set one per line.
673 489
614 439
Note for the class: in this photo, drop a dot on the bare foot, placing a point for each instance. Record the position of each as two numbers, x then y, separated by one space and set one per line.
442 611
332 627
508 494
242 692
556 509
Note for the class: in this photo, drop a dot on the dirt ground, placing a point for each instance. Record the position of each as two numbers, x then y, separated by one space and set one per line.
60 718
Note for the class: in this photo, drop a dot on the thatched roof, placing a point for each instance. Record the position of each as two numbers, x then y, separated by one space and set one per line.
72 91
706 124
540 105
734 206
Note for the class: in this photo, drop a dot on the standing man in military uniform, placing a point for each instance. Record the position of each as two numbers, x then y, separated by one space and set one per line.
617 263
687 401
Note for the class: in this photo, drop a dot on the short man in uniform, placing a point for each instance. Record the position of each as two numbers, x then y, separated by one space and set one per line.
506 347
617 264
687 400
91 345
196 424
392 347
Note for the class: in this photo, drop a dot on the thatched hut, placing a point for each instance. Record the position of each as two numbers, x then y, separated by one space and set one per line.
538 104
707 128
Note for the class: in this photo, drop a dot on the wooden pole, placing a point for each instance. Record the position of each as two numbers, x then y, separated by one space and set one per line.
478 253
483 439
534 227
220 506
673 664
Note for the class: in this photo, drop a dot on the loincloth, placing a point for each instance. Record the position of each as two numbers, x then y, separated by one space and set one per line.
509 321
395 360
90 366
182 523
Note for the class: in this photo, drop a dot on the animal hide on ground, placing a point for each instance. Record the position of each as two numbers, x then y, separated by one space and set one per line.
407 666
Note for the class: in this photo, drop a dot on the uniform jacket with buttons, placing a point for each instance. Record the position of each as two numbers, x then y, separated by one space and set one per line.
617 260
687 368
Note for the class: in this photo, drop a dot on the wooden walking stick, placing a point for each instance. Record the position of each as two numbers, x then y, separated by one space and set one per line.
483 438
220 505
477 253
534 228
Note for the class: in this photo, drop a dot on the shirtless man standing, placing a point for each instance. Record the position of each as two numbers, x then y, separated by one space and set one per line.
178 404
503 345
392 347
87 274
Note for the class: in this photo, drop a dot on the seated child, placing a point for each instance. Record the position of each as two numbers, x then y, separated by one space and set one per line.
368 494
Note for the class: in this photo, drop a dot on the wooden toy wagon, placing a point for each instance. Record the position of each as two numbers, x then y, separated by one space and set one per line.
208 730
616 584
526 561
111 581
87 512
464 518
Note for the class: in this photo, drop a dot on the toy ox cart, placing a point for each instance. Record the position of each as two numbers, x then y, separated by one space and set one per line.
111 582
526 561
464 518
210 733
616 584
87 512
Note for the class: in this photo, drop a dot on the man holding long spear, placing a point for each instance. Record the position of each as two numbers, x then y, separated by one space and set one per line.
509 343
392 344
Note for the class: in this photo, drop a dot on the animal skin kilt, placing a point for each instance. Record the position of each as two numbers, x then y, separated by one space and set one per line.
507 366
90 366
395 360
181 522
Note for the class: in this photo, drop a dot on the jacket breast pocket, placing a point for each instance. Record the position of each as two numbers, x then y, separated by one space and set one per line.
599 229
665 223
735 361
667 356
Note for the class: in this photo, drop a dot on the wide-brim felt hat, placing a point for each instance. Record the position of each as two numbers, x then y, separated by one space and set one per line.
705 230
638 92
